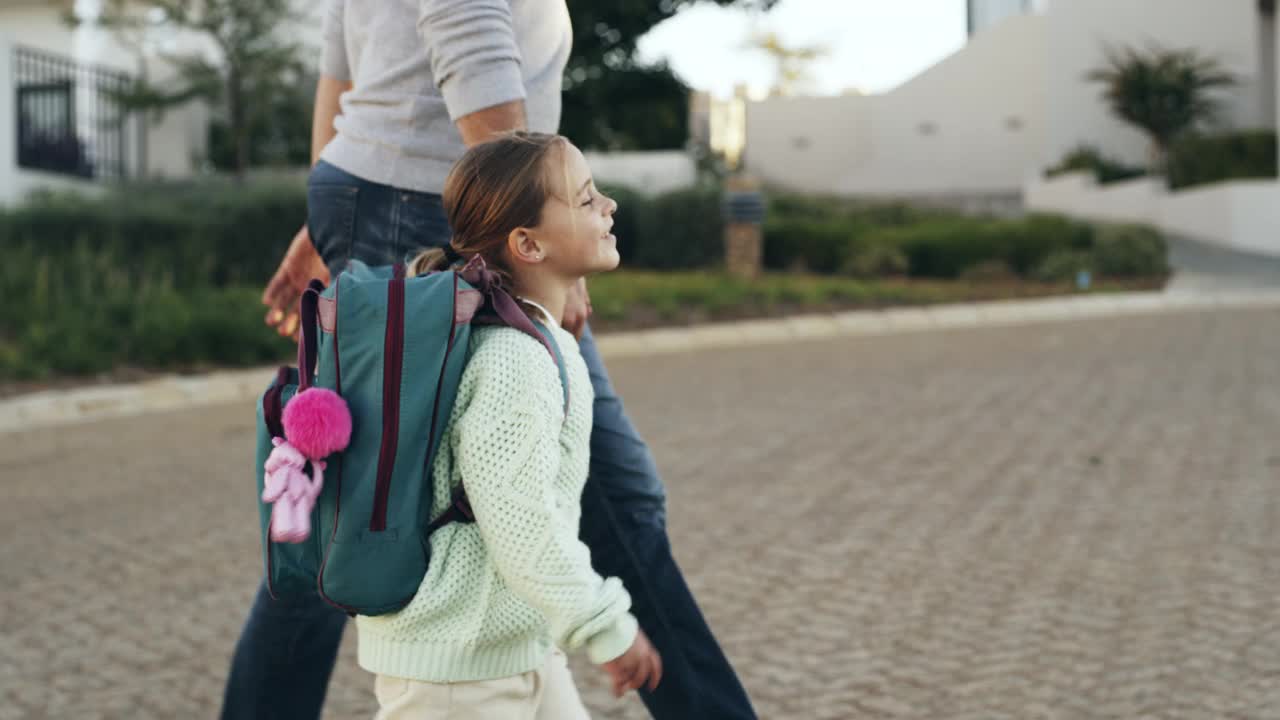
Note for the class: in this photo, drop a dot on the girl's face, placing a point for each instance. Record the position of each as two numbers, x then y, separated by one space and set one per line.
574 234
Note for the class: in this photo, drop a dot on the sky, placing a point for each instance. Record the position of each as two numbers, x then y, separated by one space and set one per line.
874 45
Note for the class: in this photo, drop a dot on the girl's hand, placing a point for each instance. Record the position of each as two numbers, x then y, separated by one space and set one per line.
640 666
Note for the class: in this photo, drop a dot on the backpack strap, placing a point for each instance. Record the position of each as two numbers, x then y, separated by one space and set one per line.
273 405
308 344
501 309
549 340
511 315
459 511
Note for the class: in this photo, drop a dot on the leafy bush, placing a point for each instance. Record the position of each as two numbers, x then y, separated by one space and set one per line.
989 271
1063 265
682 229
85 314
817 245
1200 159
1088 158
1130 251
877 261
631 205
207 233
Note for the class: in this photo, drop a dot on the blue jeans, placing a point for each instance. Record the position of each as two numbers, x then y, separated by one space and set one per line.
286 651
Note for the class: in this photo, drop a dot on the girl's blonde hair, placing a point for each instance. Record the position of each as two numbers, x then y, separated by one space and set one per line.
496 187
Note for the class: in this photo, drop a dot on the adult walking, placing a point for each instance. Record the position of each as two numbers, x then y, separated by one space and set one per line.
406 86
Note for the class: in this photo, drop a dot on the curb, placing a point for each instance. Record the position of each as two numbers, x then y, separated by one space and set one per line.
62 407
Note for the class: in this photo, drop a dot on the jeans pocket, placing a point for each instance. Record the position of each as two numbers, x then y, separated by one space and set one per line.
331 220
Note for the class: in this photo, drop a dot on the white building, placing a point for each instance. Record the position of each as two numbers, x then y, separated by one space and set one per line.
1010 103
66 131
982 14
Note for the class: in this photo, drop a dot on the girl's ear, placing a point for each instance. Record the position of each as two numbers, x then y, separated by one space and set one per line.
525 247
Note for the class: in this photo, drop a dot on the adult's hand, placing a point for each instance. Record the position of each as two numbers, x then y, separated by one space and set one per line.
577 309
301 263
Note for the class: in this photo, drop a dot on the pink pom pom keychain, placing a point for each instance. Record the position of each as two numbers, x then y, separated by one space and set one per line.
317 423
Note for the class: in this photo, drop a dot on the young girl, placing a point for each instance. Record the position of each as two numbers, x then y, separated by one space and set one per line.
482 637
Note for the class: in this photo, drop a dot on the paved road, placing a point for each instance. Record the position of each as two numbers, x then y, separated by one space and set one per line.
1075 520
1202 266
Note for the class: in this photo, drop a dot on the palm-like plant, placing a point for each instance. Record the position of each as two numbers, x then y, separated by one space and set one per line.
1163 92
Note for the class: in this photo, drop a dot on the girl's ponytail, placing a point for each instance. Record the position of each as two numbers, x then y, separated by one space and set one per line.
431 260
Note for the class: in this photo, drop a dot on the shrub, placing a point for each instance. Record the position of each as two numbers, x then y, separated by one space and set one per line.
1088 158
877 261
680 229
1063 265
211 233
948 248
631 205
989 271
1199 159
1130 251
823 245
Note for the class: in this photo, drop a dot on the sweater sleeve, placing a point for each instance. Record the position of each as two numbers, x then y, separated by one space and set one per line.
471 45
333 56
507 449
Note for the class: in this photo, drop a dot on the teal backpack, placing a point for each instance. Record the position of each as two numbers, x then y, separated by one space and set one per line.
394 349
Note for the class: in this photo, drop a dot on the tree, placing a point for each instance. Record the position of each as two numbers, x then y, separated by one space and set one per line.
249 67
1162 92
612 101
792 61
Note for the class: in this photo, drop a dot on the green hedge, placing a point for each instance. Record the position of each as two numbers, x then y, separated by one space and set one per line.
680 230
1200 159
828 234
822 245
207 234
85 313
170 276
947 248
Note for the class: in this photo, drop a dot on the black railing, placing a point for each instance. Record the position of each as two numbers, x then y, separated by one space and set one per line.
68 117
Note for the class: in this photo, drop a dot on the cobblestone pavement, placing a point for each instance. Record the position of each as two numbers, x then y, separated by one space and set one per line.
1076 520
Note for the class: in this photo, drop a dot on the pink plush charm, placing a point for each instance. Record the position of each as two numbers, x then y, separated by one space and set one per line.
291 493
317 424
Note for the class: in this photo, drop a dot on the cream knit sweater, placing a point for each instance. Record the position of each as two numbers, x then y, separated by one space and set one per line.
499 592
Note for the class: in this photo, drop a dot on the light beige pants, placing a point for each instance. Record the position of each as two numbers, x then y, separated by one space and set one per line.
547 693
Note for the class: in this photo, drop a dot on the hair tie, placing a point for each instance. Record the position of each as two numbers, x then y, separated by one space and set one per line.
451 254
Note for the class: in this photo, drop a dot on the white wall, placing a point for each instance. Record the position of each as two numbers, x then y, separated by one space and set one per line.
1079 195
1225 29
1241 214
647 172
947 131
807 143
971 123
